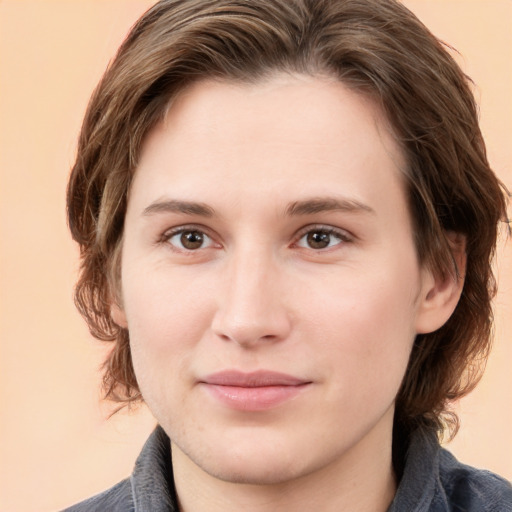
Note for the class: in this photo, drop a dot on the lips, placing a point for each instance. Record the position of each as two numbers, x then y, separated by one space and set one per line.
254 391
259 378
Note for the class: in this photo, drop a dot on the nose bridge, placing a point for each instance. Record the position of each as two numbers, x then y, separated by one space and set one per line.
252 308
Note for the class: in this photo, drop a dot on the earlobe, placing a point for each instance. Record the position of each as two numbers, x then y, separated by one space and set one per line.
118 315
440 294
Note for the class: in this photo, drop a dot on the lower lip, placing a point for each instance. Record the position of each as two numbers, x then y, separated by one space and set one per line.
254 398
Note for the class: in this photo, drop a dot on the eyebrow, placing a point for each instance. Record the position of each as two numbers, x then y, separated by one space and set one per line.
304 207
173 205
325 204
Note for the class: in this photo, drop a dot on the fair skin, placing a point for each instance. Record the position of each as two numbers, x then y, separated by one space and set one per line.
267 231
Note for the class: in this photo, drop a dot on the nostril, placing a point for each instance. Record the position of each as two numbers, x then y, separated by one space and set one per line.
248 335
249 314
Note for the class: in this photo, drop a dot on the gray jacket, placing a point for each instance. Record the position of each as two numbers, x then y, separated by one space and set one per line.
432 481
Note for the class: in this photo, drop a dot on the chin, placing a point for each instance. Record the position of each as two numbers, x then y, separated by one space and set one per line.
251 472
253 463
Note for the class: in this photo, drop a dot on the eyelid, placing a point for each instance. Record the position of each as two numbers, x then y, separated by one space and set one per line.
342 234
169 233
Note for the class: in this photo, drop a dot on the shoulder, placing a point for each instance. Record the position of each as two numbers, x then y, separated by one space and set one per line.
150 486
433 480
473 490
118 498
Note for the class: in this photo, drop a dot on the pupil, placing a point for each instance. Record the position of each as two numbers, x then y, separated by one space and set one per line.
318 239
192 239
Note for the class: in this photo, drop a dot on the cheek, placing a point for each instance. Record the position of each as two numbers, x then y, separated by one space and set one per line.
167 317
365 330
164 305
164 337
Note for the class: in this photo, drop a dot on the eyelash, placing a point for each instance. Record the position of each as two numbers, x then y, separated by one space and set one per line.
168 235
341 235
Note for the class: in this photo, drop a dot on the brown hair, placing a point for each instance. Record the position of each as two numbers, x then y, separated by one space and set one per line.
377 47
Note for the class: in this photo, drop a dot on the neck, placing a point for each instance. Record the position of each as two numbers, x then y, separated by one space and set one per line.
362 481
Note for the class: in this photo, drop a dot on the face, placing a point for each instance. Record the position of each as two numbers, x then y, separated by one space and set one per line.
270 283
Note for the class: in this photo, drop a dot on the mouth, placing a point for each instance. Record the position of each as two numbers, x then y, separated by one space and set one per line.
254 391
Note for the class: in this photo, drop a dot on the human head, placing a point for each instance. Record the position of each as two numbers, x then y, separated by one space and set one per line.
376 47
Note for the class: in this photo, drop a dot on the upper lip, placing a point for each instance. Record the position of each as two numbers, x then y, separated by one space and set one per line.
259 378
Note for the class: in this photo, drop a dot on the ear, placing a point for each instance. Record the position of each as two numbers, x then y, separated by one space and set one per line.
440 294
118 315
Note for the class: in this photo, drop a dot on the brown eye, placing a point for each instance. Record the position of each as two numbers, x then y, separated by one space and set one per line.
322 238
318 239
189 240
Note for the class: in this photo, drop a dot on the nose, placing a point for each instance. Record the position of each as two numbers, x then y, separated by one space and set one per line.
252 308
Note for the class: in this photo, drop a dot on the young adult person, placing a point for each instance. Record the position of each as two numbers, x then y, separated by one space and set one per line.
287 220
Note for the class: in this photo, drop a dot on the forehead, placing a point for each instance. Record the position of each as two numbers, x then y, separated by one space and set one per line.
290 133
311 107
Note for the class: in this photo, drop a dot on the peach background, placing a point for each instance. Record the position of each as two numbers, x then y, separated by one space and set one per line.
56 445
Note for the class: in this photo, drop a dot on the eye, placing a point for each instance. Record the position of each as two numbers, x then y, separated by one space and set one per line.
322 238
189 240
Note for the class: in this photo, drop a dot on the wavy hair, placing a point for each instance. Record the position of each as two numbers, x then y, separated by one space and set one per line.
377 47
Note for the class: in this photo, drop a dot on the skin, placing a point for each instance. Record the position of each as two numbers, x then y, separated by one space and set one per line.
251 178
